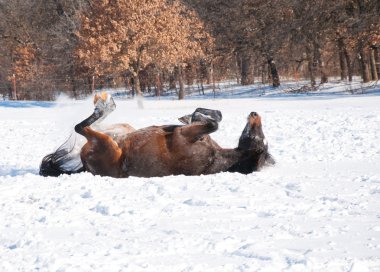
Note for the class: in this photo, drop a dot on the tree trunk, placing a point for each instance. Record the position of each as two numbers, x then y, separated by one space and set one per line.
361 6
172 83
204 71
136 78
273 72
202 87
74 88
209 73
136 84
318 61
374 72
311 66
263 75
238 69
189 75
126 82
349 64
322 68
246 70
342 60
137 88
73 82
14 90
158 84
181 93
89 84
364 63
377 59
213 79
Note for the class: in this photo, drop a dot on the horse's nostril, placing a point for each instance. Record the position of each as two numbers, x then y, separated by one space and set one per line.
253 114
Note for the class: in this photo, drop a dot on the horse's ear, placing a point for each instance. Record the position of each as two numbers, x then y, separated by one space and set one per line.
186 119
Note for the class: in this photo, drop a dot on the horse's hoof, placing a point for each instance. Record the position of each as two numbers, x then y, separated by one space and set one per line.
213 114
103 96
104 103
200 117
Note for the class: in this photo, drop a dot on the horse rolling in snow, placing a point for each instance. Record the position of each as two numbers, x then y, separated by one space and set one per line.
121 151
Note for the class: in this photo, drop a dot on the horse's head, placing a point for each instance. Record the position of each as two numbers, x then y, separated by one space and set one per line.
252 137
253 143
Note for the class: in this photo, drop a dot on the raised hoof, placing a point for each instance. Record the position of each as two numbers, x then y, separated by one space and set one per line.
200 117
104 103
213 114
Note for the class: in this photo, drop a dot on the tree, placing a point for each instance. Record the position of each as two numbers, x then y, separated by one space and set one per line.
155 41
129 35
39 49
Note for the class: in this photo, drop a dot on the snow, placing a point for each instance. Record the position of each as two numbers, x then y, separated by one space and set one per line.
317 209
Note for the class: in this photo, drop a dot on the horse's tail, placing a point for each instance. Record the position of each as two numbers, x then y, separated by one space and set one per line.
65 160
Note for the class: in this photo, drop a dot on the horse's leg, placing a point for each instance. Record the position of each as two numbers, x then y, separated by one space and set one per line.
66 160
104 105
101 154
200 126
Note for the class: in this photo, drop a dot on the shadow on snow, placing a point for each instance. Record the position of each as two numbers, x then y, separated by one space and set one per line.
27 104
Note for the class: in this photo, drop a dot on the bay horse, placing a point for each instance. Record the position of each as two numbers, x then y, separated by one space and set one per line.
121 151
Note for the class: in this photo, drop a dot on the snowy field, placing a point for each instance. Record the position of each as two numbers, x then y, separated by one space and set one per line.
318 209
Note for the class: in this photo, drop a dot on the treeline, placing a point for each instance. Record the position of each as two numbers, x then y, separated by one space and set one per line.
76 46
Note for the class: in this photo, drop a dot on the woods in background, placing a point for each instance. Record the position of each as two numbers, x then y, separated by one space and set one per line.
75 46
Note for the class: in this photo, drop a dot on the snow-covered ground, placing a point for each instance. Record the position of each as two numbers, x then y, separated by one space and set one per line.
318 209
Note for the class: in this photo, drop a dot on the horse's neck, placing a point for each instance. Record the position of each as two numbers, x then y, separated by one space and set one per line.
248 161
224 159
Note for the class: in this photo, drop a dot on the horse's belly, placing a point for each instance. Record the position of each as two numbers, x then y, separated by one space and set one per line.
158 165
155 153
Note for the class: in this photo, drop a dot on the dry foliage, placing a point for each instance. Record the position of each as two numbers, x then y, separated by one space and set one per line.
158 45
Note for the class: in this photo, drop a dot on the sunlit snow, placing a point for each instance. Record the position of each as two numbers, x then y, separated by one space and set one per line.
317 209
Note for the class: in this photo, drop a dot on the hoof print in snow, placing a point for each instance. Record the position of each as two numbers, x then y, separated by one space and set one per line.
86 194
192 202
103 210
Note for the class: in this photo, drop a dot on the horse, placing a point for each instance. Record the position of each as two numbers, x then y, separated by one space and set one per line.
122 151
